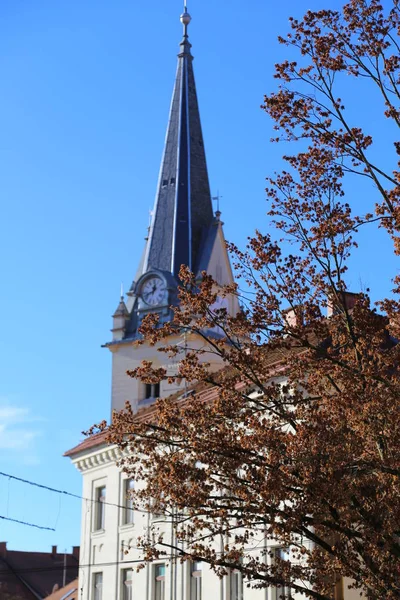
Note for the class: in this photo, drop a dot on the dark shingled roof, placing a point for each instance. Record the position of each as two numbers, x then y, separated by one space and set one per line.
33 575
183 207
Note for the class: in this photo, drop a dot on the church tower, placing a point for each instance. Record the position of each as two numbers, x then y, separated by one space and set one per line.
184 231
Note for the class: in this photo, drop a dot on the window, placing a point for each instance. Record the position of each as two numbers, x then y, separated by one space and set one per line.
236 585
158 508
195 581
100 495
282 592
128 502
159 582
152 390
127 593
97 586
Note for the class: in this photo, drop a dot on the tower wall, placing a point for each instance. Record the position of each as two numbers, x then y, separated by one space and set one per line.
129 356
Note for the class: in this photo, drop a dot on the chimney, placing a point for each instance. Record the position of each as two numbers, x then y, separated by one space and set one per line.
3 549
294 317
54 551
75 552
346 299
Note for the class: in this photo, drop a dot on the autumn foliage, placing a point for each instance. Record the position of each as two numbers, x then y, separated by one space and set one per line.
297 439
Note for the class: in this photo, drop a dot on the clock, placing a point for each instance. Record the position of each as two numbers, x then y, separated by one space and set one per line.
153 291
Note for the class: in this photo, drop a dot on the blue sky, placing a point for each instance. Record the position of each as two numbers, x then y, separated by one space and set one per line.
84 96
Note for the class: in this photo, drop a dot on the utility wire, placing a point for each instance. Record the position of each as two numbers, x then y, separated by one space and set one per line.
124 564
70 494
97 565
27 524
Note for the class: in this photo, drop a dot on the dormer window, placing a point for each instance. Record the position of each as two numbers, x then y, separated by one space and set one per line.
165 183
152 390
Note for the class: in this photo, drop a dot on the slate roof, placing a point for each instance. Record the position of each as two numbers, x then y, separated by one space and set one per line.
183 206
206 246
33 575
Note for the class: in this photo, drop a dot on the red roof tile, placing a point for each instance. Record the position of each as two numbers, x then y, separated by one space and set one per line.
203 393
90 442
72 588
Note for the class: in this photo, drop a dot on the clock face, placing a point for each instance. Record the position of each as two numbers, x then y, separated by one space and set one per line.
153 291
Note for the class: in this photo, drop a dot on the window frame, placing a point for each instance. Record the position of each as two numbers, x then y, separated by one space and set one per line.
158 579
151 391
99 520
97 596
282 592
128 513
236 586
125 594
196 580
156 516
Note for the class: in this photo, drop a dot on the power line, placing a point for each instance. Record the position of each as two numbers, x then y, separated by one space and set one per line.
89 565
123 564
26 523
70 494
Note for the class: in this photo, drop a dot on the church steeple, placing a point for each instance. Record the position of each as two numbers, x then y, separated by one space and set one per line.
183 231
183 206
183 228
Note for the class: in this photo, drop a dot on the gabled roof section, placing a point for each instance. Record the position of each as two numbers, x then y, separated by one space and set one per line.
206 247
33 575
183 206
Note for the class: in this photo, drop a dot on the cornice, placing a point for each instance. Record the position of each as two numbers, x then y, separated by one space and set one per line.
103 457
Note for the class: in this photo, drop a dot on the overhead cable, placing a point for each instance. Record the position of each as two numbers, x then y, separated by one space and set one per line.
72 495
26 523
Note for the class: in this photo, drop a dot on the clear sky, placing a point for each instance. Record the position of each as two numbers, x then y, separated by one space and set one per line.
84 96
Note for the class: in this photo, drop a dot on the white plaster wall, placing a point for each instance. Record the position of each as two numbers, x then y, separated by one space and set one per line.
351 594
104 551
128 356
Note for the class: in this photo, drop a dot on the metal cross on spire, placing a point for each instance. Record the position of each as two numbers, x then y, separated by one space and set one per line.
217 199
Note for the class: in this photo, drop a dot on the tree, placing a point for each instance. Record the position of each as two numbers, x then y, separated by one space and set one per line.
297 439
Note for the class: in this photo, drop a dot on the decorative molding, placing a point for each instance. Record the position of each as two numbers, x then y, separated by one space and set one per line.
101 458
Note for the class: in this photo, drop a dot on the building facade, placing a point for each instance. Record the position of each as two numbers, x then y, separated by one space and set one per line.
184 230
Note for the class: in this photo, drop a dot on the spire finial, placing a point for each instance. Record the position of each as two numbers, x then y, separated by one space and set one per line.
216 199
185 20
122 291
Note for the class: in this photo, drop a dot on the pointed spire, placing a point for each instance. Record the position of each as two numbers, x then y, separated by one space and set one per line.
121 310
183 206
120 318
